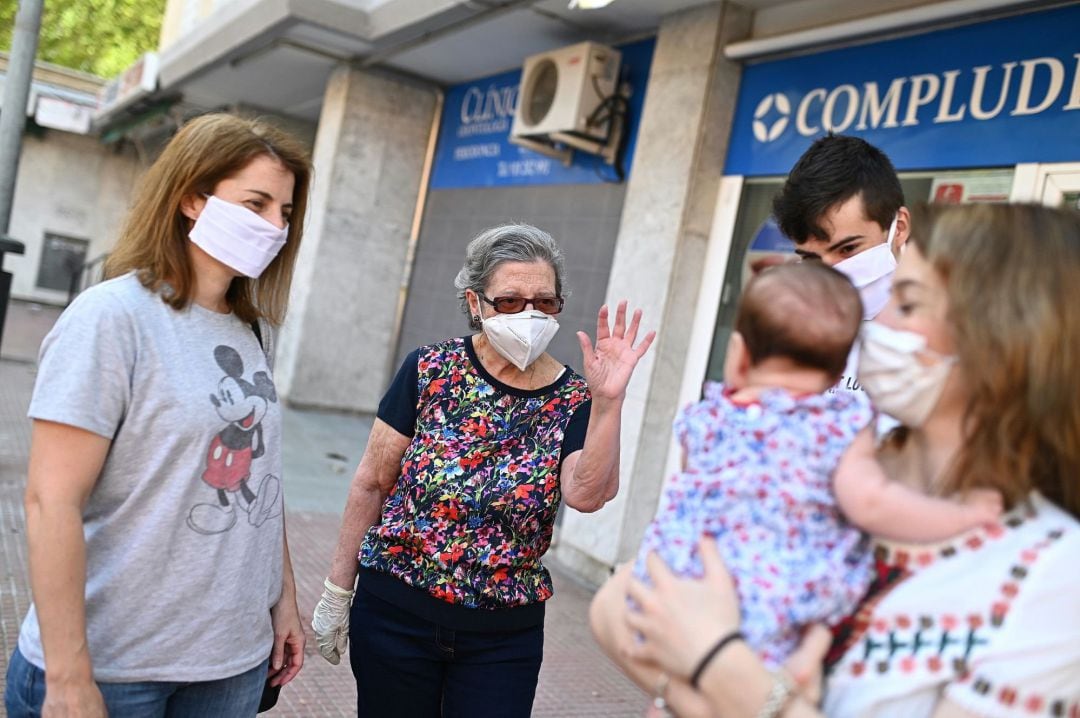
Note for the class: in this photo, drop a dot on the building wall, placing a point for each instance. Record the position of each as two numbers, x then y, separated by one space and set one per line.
337 344
583 219
799 15
658 262
46 73
69 185
183 15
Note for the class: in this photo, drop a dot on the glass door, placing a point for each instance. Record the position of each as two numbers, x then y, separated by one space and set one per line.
1060 185
756 241
1055 185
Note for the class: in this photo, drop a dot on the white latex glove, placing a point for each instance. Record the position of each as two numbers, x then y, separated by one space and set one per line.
331 621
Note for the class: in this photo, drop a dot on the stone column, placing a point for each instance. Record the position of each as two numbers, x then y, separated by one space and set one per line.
336 348
659 256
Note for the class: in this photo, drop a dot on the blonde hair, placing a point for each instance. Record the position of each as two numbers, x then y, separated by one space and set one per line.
1012 277
205 151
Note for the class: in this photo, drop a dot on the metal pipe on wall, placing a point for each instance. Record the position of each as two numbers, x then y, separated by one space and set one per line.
24 41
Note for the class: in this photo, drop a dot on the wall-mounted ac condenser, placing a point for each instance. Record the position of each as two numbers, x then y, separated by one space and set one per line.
561 89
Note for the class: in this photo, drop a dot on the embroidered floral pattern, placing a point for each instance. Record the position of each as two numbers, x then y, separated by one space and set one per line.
945 641
474 507
904 556
849 630
1033 703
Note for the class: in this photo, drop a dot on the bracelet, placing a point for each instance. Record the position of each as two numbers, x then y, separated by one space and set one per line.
660 699
779 695
711 653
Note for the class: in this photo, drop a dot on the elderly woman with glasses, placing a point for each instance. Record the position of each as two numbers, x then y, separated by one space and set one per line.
454 500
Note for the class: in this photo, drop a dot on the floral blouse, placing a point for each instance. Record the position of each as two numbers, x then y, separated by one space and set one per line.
474 507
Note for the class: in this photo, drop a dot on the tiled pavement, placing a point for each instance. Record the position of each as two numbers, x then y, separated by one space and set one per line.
320 451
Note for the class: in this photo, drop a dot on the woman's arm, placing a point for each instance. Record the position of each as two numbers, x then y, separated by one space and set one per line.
289 639
679 621
375 476
65 463
590 477
736 684
609 627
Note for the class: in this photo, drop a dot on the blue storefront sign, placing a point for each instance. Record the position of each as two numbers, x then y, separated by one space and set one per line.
474 148
991 94
769 238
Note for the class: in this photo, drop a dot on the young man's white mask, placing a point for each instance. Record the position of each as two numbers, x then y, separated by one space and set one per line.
520 338
871 272
237 237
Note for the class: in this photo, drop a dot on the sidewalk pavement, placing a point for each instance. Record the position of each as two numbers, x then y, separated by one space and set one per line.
320 452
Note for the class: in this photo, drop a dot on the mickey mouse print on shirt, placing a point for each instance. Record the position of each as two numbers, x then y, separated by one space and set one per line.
241 404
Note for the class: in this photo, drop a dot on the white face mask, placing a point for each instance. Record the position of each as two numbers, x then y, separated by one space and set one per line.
237 237
871 272
894 375
520 338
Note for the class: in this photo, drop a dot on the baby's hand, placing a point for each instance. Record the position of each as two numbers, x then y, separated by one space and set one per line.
985 505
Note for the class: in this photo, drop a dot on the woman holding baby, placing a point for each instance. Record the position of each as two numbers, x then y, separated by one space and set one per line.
983 321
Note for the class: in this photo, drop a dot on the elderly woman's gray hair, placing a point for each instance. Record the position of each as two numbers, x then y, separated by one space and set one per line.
506 243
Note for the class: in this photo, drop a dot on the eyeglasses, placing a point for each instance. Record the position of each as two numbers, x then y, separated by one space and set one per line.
513 305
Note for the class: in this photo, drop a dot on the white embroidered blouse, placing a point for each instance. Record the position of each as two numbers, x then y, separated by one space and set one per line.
989 620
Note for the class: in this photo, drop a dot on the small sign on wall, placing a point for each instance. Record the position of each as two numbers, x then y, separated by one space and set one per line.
58 114
474 148
969 187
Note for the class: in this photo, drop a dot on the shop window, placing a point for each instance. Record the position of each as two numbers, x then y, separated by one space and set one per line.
756 239
62 259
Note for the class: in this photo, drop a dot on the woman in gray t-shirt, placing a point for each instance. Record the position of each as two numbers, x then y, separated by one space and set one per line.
158 560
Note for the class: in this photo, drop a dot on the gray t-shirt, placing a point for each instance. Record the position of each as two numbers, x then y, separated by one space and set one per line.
183 527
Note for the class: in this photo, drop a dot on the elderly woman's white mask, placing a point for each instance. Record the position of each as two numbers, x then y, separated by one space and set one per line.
520 338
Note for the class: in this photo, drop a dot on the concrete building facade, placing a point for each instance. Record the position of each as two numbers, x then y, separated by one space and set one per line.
71 191
409 104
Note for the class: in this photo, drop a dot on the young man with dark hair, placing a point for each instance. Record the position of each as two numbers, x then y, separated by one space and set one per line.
843 205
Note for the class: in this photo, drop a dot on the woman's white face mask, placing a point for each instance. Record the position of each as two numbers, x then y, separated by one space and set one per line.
522 337
237 237
901 375
871 272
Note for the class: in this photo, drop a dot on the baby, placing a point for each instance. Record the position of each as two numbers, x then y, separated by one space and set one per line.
781 472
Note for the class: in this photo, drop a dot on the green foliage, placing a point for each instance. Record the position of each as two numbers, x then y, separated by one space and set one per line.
102 37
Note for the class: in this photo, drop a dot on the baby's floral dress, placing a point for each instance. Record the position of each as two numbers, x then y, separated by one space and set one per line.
758 478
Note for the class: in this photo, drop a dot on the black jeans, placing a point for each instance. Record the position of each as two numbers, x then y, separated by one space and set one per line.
408 667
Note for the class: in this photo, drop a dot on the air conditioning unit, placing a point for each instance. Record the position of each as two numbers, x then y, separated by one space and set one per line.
562 89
